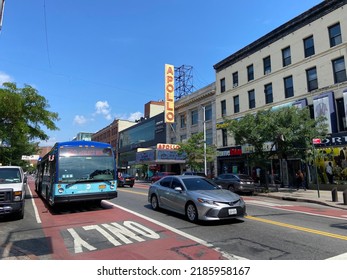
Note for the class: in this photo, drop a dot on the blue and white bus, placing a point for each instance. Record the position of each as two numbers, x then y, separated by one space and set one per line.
77 171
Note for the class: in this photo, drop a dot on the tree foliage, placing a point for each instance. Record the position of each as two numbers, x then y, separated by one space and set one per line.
288 130
194 151
23 116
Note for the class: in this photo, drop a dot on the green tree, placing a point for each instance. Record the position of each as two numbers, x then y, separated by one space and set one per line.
23 116
289 130
194 151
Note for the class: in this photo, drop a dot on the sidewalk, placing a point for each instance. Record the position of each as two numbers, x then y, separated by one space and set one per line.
325 197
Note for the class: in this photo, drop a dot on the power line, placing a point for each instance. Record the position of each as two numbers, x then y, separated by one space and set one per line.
46 32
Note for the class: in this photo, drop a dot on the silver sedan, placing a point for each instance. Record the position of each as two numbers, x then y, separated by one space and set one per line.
196 197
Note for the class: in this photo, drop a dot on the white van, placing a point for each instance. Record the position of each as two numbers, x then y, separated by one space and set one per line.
12 191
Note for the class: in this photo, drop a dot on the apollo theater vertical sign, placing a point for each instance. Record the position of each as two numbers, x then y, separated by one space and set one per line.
169 93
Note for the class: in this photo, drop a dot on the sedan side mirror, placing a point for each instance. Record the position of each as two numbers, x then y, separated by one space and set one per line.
178 189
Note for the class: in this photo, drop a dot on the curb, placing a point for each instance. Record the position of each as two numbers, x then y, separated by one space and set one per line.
289 198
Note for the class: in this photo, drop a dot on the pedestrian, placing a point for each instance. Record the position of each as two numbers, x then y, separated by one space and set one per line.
329 172
300 182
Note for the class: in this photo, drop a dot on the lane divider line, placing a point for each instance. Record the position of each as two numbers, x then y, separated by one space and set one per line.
323 233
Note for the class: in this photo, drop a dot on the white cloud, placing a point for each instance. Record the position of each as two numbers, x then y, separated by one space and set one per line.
132 117
79 120
102 108
5 78
135 116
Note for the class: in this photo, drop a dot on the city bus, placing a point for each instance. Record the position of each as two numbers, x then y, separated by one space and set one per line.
76 171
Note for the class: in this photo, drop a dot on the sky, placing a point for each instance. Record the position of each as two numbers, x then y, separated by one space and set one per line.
96 61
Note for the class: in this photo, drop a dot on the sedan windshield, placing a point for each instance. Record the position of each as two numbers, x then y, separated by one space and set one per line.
195 184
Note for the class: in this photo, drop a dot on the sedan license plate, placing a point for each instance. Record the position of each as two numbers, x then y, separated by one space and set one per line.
102 186
232 211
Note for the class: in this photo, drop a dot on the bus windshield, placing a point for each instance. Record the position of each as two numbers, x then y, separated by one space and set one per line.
86 168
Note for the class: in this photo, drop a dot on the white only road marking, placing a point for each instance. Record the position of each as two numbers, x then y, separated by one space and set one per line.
186 235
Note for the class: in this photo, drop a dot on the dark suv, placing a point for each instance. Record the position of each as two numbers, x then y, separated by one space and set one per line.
194 173
239 183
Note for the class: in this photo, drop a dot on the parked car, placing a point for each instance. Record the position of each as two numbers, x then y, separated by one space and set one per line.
125 179
12 191
159 175
239 183
196 197
194 173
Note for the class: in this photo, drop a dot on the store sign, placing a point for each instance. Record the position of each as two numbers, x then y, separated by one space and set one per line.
167 146
32 157
336 139
169 155
145 156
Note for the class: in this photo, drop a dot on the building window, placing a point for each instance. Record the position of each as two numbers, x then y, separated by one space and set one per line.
312 80
250 72
235 79
309 46
340 106
335 35
286 57
267 65
209 136
223 108
208 112
288 87
194 117
268 93
222 85
339 69
183 121
183 137
236 104
224 137
251 99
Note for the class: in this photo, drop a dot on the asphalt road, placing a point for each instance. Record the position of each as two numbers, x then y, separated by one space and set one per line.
273 229
127 228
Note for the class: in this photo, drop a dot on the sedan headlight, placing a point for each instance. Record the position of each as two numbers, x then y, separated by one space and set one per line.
208 201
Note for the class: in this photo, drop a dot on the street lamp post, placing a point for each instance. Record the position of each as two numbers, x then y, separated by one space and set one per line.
204 123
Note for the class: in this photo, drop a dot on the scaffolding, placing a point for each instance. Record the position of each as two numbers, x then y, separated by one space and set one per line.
183 81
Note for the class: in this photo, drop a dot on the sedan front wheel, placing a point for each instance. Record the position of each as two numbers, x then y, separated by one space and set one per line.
192 213
154 202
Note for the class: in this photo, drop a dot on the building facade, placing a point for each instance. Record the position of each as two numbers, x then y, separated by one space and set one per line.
110 134
302 63
195 113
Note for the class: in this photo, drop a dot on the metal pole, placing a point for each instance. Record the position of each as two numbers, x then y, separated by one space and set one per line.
315 163
205 160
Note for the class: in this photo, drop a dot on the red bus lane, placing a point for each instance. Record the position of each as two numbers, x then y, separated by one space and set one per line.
111 233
